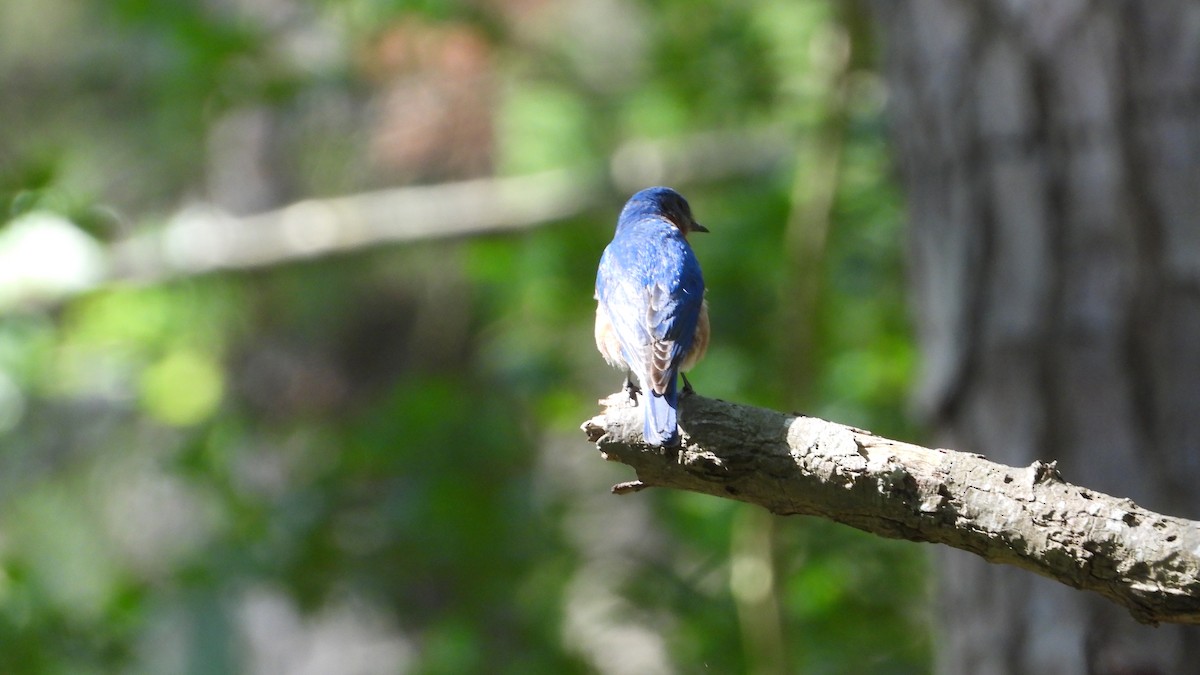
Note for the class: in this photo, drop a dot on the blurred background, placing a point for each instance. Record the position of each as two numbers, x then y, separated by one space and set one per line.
297 335
296 323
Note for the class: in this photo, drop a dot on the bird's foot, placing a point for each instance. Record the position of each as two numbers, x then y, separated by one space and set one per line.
687 386
632 389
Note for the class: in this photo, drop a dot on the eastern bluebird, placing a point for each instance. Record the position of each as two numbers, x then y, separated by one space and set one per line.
651 316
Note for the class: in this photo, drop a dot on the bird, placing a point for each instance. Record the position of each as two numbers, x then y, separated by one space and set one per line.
651 313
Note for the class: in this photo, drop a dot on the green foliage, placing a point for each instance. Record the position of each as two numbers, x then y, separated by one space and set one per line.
394 431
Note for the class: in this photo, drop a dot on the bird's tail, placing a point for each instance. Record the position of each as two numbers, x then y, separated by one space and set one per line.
662 427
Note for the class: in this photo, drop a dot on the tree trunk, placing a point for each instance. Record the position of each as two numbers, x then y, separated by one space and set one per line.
1050 151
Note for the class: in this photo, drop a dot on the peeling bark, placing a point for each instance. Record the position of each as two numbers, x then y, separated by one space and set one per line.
1024 516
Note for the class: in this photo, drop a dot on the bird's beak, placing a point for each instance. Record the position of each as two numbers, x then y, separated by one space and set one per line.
697 227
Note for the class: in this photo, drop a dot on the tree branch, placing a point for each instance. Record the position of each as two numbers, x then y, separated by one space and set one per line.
204 239
1028 517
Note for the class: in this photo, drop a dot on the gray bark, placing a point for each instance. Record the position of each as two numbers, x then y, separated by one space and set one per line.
1027 517
1050 152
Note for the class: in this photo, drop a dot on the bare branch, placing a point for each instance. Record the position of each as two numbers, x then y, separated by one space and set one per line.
204 238
1028 517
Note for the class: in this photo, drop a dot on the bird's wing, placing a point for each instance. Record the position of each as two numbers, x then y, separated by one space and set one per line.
621 298
673 310
652 295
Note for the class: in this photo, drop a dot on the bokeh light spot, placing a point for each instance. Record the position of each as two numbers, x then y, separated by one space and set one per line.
182 389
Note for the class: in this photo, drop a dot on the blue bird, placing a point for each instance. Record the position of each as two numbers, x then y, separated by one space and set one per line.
651 316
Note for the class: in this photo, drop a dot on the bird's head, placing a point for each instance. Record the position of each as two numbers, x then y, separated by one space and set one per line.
665 203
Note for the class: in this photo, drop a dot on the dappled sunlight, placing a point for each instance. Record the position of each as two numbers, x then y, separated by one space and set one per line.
44 256
296 335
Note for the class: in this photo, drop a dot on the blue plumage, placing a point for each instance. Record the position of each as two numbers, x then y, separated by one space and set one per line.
651 318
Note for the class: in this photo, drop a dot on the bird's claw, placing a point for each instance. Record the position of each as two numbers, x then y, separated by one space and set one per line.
687 386
632 389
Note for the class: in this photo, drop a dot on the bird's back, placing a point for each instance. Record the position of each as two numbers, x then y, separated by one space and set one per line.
651 297
650 284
